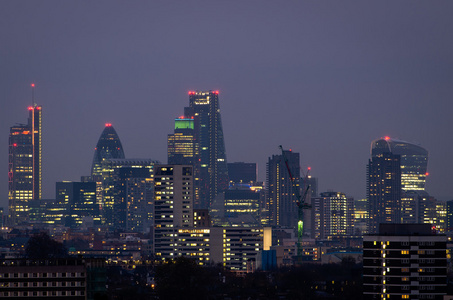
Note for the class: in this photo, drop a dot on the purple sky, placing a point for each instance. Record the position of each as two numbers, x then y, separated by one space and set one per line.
324 78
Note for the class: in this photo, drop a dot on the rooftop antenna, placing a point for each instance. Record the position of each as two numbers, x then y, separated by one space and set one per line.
33 94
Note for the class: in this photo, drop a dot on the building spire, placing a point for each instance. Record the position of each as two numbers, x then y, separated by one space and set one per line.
33 95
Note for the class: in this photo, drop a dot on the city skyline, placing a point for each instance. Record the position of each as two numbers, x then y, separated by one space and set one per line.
329 80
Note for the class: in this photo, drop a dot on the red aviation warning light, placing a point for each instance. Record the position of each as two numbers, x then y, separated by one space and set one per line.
387 138
30 108
426 174
191 93
216 92
309 168
14 145
32 85
108 124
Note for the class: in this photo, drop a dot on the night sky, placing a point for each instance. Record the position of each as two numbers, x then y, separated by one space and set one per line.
323 78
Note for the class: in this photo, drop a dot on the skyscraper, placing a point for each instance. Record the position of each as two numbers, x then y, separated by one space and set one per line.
25 165
281 195
126 193
182 147
383 190
210 167
108 147
414 161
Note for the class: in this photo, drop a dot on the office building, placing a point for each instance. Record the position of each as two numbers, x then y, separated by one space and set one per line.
360 217
210 167
182 149
332 215
312 183
79 200
413 159
133 199
108 147
127 193
404 261
241 172
242 206
383 190
281 191
25 165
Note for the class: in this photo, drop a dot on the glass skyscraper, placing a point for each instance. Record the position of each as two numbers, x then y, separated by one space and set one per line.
383 190
281 201
414 161
108 147
25 165
182 147
210 166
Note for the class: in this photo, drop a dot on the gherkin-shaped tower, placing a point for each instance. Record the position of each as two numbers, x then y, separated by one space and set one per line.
108 147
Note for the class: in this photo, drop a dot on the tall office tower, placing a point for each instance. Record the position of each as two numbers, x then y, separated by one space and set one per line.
182 148
25 165
173 205
281 193
332 216
134 197
383 190
126 193
312 182
404 261
241 172
79 201
414 161
210 169
108 147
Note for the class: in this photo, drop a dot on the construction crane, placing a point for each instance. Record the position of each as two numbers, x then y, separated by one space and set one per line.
301 205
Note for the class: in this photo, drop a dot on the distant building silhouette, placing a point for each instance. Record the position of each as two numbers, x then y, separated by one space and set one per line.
25 166
281 193
108 147
127 193
79 201
413 158
210 167
241 172
383 190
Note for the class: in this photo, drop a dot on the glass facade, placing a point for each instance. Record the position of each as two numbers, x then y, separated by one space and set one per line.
108 147
210 166
414 161
25 166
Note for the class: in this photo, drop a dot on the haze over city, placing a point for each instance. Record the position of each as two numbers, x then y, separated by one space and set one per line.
322 78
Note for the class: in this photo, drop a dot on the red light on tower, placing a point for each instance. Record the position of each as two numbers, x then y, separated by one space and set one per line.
309 168
15 145
108 124
30 108
427 174
216 92
32 85
387 138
